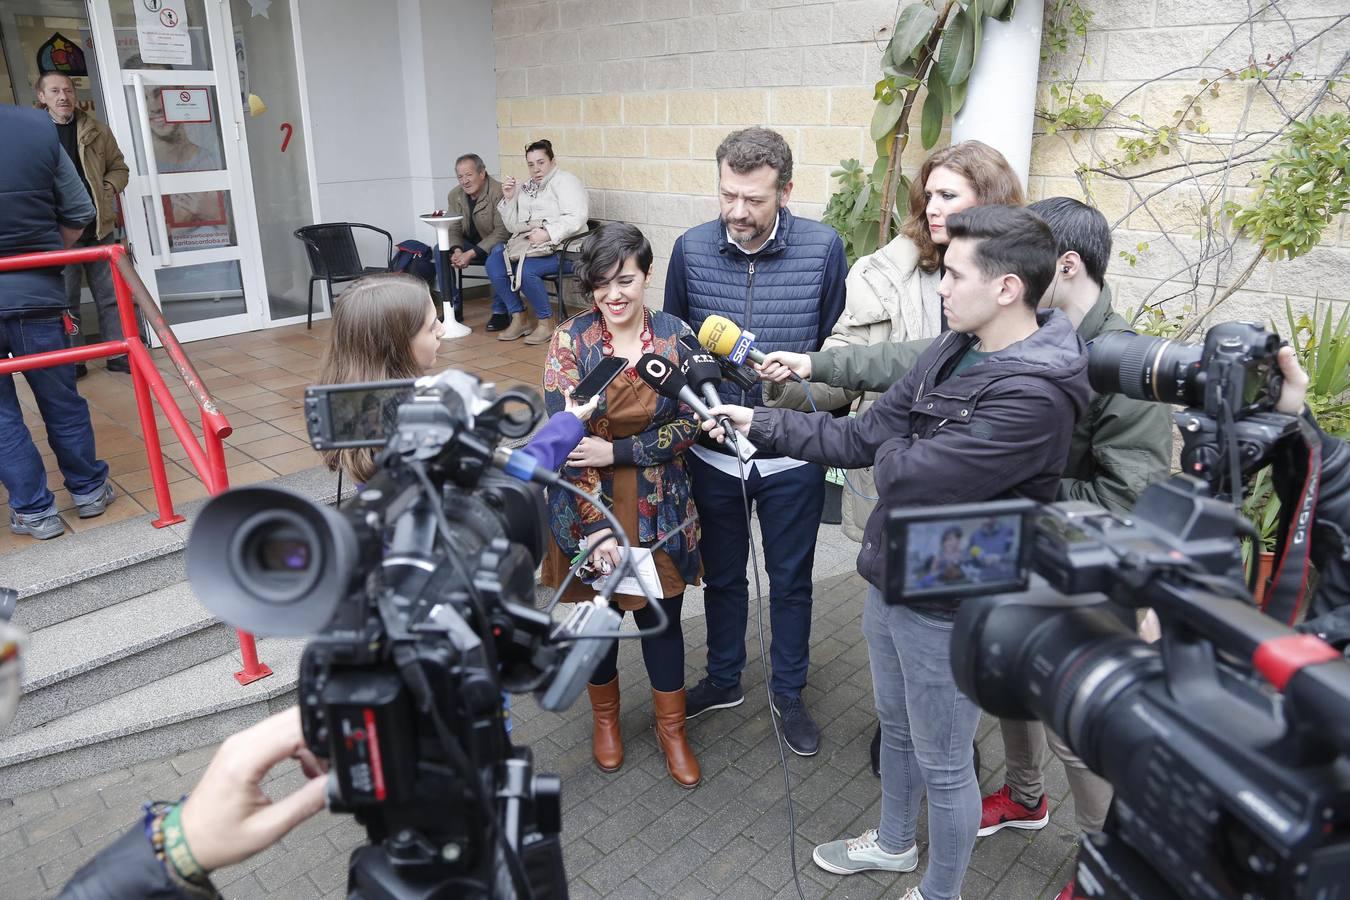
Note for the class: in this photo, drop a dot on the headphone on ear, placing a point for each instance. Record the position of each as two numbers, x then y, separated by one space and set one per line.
1065 270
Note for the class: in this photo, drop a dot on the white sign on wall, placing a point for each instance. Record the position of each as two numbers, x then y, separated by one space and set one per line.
162 31
182 105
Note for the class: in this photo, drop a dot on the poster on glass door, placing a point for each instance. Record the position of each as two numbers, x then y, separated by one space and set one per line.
162 32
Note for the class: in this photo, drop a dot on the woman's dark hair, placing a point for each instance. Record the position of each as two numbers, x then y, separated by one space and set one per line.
606 249
953 531
542 144
1009 240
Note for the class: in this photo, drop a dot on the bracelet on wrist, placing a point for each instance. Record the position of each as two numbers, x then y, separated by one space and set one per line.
176 849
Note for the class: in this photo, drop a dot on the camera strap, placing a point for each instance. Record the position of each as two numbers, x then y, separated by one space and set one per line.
1286 588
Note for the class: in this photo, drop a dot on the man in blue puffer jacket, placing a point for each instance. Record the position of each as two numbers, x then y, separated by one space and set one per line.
782 278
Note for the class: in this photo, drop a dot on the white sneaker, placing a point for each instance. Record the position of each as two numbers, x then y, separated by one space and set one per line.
863 854
913 894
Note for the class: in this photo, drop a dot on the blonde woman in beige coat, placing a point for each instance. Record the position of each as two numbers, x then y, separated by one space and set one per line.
892 293
541 214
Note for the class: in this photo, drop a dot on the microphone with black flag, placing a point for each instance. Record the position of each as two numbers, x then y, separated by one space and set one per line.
667 381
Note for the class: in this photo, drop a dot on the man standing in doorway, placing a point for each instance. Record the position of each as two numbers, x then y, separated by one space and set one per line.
479 230
94 151
782 278
42 207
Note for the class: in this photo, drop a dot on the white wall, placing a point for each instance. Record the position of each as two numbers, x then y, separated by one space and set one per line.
396 92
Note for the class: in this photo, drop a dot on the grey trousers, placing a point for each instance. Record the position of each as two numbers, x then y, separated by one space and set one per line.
101 286
1024 745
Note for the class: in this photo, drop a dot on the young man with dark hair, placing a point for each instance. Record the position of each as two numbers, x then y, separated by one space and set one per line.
986 413
781 277
1118 448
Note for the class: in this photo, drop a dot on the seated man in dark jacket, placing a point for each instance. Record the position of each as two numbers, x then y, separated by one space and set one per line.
986 413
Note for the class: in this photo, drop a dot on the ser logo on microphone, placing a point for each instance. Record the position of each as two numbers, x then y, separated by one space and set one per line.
742 348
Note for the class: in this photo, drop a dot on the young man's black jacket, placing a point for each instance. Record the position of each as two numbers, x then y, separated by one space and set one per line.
999 429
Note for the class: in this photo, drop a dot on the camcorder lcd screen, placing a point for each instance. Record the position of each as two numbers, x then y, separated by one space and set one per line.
960 550
354 415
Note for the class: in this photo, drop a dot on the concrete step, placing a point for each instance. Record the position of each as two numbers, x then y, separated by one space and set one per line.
188 709
76 574
82 661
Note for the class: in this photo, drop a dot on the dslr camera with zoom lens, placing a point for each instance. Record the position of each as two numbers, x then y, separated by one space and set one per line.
1229 383
1228 741
421 595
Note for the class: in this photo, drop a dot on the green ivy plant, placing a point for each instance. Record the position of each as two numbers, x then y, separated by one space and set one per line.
930 48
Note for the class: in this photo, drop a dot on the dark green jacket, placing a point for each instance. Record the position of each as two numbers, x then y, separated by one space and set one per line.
1119 446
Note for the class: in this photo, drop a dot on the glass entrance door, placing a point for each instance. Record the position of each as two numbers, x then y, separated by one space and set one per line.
172 93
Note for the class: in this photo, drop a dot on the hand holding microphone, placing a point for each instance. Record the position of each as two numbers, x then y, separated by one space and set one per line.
728 420
780 365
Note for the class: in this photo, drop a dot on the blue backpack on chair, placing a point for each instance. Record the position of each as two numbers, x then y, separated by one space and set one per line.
415 258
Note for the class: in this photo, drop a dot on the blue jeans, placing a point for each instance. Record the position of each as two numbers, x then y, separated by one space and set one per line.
927 731
789 505
531 282
65 413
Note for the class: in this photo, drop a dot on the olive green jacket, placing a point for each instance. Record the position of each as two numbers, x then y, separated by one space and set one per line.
1119 446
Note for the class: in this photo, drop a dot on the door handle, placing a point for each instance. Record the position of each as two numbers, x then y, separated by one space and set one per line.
152 173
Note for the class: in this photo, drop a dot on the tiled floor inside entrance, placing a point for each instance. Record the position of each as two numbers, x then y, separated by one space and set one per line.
258 380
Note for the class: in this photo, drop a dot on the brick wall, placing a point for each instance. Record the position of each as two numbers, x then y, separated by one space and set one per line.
636 95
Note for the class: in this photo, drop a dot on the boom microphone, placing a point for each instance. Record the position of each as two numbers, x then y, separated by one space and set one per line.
667 381
724 337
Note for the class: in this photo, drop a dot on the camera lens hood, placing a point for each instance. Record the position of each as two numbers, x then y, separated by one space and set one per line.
270 561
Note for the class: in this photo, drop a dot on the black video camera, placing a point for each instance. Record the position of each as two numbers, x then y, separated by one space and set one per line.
421 595
1228 743
1229 386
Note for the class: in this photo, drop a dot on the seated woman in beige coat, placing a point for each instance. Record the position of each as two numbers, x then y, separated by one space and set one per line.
541 215
892 293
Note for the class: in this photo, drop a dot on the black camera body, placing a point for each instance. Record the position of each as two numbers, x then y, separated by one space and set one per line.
1229 385
1228 743
420 593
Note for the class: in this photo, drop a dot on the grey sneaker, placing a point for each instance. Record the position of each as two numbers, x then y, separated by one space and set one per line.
863 854
43 528
98 506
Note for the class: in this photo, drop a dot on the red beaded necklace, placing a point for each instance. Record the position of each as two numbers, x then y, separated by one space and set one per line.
607 339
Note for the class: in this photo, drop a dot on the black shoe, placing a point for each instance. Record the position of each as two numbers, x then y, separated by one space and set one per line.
499 321
459 315
81 370
705 696
799 729
119 364
876 752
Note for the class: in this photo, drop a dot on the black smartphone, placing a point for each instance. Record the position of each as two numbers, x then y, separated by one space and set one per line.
598 379
354 415
955 551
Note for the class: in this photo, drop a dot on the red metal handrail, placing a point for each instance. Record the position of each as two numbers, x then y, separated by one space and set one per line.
146 382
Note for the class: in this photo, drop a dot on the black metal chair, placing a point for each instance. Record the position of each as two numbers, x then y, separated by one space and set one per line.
568 254
334 257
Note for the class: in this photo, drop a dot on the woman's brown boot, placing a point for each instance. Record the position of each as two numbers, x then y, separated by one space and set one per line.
606 745
680 761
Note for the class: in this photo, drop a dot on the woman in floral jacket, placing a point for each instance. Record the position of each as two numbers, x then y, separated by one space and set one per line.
631 459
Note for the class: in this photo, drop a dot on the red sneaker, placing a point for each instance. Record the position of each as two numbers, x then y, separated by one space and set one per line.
1067 893
999 811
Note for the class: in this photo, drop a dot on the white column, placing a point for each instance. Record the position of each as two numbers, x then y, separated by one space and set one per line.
1000 107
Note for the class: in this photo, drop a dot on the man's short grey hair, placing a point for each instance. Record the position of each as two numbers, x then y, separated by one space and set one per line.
475 159
51 73
748 149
